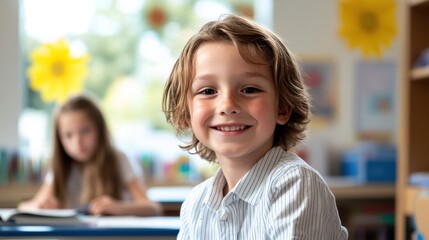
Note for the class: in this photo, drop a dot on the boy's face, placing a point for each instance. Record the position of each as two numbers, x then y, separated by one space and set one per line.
233 106
78 135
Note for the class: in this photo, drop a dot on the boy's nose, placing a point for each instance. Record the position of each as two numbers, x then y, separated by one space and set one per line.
229 105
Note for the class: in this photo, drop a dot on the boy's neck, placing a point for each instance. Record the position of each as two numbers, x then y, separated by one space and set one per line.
234 171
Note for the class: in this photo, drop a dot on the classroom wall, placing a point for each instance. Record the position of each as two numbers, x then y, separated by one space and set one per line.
10 92
309 28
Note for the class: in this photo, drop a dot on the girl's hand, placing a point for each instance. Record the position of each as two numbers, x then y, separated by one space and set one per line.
104 205
28 205
51 203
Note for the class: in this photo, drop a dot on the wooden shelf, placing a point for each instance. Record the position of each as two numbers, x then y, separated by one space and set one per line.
362 192
420 73
155 183
411 193
10 195
413 147
418 2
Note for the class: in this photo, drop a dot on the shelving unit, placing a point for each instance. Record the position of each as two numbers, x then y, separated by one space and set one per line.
414 113
12 194
419 73
364 192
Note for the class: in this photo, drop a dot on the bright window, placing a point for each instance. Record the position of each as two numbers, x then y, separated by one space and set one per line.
132 45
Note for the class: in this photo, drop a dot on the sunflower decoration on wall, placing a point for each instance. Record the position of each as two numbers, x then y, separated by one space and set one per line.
55 73
368 25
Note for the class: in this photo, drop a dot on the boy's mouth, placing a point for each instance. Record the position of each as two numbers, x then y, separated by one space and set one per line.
231 128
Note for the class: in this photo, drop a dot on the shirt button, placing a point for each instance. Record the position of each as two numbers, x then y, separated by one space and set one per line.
223 216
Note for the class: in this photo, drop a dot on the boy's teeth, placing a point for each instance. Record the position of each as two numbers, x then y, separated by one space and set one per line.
230 128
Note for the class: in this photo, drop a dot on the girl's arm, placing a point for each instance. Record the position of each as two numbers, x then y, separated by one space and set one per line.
141 205
144 205
44 198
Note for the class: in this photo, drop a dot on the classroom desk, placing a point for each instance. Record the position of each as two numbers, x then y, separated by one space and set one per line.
171 198
124 227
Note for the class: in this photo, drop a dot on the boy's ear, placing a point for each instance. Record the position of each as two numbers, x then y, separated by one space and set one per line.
284 115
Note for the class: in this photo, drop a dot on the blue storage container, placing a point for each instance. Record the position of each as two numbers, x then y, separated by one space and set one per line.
370 163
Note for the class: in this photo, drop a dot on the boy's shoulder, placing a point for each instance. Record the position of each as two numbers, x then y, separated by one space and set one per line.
290 161
290 167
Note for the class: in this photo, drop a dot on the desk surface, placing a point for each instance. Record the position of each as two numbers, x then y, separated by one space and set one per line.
165 194
81 231
124 226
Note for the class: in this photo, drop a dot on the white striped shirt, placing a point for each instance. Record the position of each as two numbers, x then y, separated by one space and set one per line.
281 197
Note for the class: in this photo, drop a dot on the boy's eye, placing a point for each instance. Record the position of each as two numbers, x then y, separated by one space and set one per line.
251 90
207 91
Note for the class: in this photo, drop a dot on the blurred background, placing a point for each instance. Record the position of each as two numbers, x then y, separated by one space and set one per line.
349 50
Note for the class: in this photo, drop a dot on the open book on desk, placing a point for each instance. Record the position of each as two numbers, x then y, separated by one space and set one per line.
40 217
156 222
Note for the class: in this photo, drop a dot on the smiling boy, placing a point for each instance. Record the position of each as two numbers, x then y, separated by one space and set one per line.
237 89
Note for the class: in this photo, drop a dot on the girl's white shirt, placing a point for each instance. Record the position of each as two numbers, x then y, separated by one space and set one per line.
128 171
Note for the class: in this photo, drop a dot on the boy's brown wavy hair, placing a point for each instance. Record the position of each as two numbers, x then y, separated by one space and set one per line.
250 39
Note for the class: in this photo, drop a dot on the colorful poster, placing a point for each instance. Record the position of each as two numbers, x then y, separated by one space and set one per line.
376 98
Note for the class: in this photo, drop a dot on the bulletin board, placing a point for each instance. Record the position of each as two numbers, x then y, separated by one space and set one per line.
375 99
320 77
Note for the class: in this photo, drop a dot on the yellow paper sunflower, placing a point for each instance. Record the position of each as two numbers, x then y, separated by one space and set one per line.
368 24
55 73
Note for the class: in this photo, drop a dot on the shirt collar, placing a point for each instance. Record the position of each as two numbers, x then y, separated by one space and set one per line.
250 187
214 196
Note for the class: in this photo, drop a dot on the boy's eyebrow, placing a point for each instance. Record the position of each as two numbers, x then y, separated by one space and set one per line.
252 74
206 76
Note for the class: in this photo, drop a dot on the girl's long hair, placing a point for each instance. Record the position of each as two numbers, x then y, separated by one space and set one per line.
101 174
